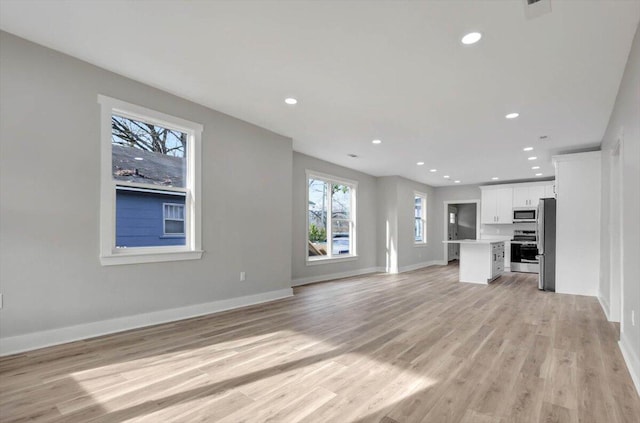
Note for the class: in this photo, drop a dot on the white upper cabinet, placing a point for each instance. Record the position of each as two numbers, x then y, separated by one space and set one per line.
549 191
521 197
497 205
488 205
529 196
498 201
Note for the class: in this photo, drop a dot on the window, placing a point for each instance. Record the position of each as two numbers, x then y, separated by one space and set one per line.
150 185
173 219
420 218
331 223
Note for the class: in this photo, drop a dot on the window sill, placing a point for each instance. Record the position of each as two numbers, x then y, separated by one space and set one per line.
146 257
420 244
314 262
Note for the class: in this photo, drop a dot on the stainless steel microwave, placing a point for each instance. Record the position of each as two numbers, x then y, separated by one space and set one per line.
524 215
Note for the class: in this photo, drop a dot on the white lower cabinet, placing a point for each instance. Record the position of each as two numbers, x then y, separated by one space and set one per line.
497 259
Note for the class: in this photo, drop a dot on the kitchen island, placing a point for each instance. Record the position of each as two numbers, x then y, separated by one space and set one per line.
481 260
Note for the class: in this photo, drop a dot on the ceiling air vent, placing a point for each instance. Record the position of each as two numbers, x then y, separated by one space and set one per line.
535 8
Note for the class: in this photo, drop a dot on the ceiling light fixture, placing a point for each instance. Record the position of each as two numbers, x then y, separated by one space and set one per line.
420 163
527 149
446 176
290 101
471 38
456 182
535 167
512 115
138 158
433 170
495 178
532 158
376 142
538 174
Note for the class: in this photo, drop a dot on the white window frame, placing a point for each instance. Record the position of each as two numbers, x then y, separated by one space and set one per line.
109 254
329 258
423 218
165 218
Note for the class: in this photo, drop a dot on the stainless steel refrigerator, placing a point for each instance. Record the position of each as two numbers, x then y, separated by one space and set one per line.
547 244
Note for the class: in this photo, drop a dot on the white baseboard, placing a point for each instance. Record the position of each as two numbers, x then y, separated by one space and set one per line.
32 341
331 276
421 265
632 360
605 306
379 269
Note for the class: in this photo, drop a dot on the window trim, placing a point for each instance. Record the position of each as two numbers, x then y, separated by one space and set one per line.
311 174
165 218
109 254
423 218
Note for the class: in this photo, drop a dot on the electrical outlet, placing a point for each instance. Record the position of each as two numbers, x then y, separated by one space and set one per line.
243 276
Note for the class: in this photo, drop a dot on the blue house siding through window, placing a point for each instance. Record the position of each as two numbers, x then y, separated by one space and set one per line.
140 219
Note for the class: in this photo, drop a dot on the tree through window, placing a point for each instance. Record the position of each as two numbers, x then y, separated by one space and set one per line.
331 219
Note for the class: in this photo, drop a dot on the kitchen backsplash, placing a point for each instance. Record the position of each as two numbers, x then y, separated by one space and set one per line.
488 231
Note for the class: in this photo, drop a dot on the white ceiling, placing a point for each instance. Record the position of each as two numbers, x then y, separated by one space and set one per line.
393 70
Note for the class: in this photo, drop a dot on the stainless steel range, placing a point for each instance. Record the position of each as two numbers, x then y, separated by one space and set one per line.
524 251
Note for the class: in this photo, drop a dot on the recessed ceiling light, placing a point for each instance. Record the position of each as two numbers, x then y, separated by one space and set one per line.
138 158
456 182
538 174
535 167
446 176
290 101
532 158
495 178
433 170
376 142
527 149
512 115
420 163
471 38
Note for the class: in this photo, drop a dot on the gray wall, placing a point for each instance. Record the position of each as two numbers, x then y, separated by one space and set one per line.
366 236
410 255
467 220
626 117
50 274
387 226
397 251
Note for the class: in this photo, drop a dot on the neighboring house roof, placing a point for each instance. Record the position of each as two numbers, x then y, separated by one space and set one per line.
154 168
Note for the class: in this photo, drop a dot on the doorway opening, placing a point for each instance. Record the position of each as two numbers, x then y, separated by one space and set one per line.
461 221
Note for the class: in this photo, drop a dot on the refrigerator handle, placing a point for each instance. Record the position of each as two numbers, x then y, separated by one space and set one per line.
540 240
541 280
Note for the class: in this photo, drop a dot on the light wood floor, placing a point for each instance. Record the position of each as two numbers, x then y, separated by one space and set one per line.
380 348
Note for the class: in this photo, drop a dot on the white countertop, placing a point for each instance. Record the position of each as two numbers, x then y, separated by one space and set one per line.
504 238
474 241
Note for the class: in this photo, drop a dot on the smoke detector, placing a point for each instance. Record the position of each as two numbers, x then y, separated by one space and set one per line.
536 8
